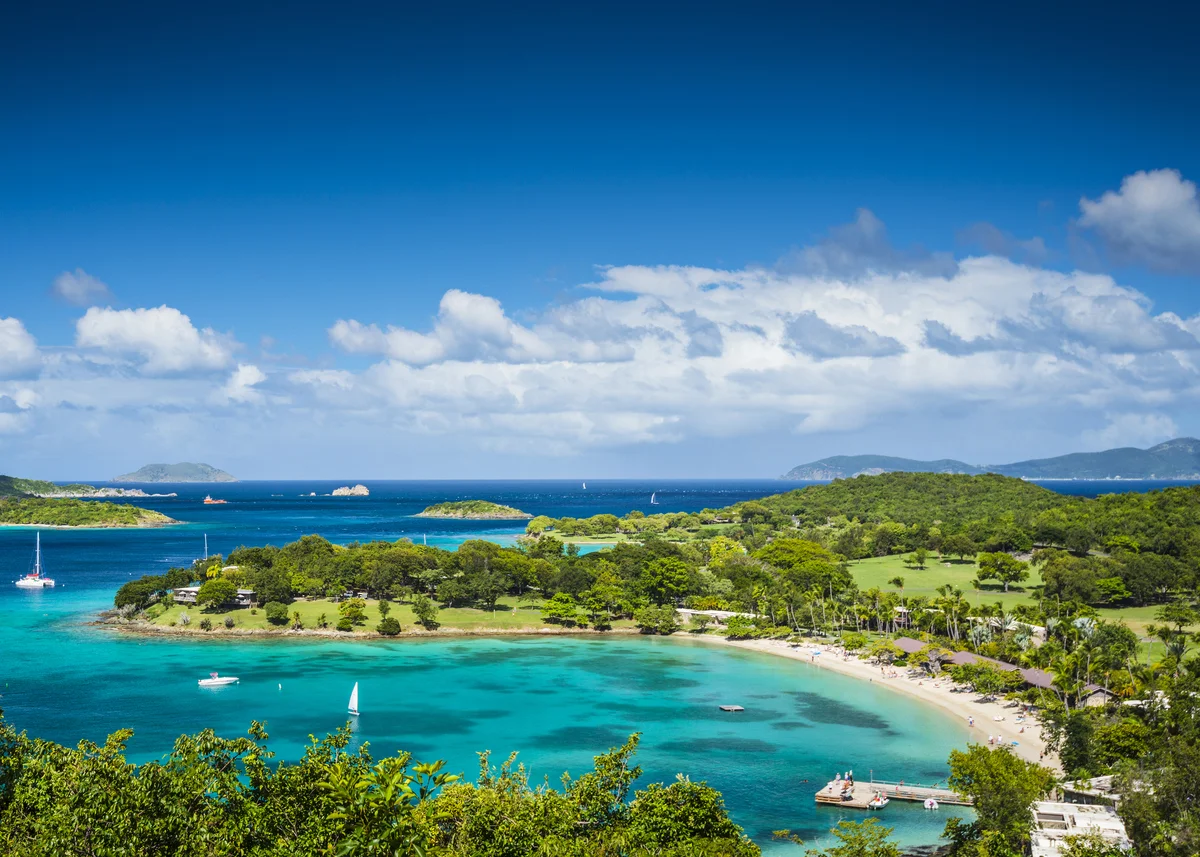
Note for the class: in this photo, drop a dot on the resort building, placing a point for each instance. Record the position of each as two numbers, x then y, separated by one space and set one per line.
187 595
1054 823
1094 694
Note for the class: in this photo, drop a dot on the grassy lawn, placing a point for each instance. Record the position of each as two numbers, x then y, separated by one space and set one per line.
877 571
510 615
925 581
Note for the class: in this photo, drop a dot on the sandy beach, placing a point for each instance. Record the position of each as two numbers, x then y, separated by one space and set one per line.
942 692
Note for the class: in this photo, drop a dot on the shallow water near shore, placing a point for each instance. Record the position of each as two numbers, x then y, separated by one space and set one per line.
558 701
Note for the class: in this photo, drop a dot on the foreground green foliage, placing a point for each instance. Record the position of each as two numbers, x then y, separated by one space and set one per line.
1003 787
76 513
215 796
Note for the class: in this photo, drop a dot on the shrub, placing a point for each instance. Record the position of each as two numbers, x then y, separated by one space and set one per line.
277 614
738 628
345 624
206 624
657 620
425 611
297 622
560 609
389 627
228 621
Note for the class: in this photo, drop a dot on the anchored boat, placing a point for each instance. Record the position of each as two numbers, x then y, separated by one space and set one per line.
215 680
35 579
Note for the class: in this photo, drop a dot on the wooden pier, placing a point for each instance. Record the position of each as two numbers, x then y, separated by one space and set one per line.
862 792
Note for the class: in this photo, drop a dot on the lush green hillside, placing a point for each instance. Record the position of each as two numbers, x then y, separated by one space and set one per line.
475 510
77 513
185 472
15 486
914 498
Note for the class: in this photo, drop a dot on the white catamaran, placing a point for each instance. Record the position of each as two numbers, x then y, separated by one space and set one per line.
35 579
353 709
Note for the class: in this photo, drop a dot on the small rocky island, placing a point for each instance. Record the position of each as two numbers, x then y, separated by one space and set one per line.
347 491
474 510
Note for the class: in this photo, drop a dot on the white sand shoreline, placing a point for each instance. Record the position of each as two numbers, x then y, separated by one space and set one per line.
962 704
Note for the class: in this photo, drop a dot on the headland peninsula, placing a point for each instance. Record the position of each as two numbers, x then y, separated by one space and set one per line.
35 503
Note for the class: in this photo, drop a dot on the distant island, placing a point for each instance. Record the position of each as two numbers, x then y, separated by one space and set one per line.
1174 459
356 491
16 486
184 472
474 510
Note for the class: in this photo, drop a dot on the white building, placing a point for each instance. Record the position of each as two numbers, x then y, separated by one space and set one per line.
1054 823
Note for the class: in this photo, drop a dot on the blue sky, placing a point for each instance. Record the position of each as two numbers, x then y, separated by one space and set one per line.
614 240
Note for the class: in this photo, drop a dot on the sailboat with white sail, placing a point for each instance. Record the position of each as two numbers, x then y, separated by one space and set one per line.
35 579
653 502
353 709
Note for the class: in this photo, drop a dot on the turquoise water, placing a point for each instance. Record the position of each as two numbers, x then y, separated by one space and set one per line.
557 701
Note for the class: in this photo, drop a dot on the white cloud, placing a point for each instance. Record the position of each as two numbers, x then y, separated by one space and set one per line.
1153 219
79 288
241 384
1131 429
162 337
472 327
19 355
811 353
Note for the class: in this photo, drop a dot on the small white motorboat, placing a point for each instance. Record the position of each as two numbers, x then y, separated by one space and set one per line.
930 803
877 802
215 680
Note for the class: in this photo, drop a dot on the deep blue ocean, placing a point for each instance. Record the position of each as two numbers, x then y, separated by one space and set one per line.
557 701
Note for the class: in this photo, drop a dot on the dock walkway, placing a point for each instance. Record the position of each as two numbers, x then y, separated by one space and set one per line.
863 791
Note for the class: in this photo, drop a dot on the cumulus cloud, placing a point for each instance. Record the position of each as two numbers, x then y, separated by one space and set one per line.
472 327
659 354
802 351
241 384
163 338
811 334
1154 219
19 355
79 288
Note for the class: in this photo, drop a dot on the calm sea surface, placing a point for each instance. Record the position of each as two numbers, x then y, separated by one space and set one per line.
557 701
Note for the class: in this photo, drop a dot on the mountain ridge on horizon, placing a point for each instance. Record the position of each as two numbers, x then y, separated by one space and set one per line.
1173 459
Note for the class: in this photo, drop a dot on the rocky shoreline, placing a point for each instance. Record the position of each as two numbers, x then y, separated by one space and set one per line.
148 629
100 494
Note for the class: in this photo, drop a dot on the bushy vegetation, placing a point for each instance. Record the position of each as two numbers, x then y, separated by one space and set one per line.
226 796
76 513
